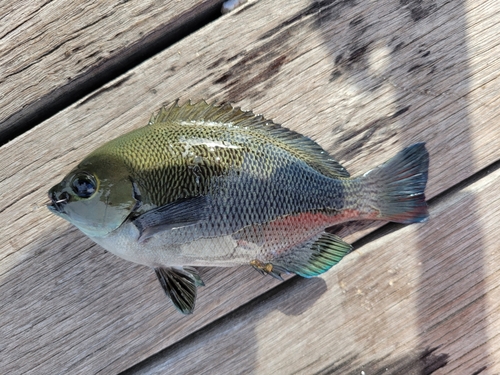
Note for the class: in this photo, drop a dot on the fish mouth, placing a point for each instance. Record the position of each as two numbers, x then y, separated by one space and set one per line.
55 209
58 203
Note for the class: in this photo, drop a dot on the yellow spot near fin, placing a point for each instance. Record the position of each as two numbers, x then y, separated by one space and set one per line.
266 269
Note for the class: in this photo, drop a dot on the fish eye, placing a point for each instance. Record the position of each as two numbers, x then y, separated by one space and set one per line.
84 185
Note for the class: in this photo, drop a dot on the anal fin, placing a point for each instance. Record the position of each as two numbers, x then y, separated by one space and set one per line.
313 257
180 285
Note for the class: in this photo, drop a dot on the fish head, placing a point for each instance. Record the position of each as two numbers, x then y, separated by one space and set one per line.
97 196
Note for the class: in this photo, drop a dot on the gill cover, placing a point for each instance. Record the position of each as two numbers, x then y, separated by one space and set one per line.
97 196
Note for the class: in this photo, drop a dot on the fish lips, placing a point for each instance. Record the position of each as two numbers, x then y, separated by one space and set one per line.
56 209
57 204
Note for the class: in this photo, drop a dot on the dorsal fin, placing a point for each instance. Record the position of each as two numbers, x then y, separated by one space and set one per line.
203 112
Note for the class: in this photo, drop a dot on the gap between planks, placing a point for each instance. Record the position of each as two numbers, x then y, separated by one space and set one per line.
83 64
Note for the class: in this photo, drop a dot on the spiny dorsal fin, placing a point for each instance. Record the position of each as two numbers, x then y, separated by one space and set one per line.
203 112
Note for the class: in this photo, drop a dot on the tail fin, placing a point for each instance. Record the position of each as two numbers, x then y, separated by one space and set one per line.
400 183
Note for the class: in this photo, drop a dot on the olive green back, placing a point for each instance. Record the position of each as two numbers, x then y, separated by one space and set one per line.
183 148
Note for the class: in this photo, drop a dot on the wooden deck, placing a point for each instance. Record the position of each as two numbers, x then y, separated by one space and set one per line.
362 78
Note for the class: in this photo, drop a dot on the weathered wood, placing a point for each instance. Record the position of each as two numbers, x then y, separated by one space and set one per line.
363 79
52 50
423 299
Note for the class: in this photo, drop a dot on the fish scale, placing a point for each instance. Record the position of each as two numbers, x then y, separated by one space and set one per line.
212 185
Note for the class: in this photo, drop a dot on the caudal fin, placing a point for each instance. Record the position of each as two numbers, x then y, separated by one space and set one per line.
400 183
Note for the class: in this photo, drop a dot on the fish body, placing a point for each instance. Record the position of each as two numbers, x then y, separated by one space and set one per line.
208 185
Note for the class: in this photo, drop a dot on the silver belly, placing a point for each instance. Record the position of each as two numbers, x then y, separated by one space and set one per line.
158 250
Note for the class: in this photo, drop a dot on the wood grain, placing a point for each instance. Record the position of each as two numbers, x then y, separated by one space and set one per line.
51 50
393 306
364 80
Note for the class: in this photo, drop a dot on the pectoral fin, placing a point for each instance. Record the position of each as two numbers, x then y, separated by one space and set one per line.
180 286
182 212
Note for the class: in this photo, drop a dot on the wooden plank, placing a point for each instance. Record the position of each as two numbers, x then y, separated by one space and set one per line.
335 72
44 58
422 300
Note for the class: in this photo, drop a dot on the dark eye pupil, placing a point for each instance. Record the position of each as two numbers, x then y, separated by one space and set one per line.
84 186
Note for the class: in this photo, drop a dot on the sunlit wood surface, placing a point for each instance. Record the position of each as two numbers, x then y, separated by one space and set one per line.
364 79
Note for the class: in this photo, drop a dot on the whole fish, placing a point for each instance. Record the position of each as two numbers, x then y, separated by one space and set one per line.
210 185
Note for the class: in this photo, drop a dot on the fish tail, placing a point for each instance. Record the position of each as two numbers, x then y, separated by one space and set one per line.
399 185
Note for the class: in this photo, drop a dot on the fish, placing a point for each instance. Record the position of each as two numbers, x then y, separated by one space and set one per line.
213 185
